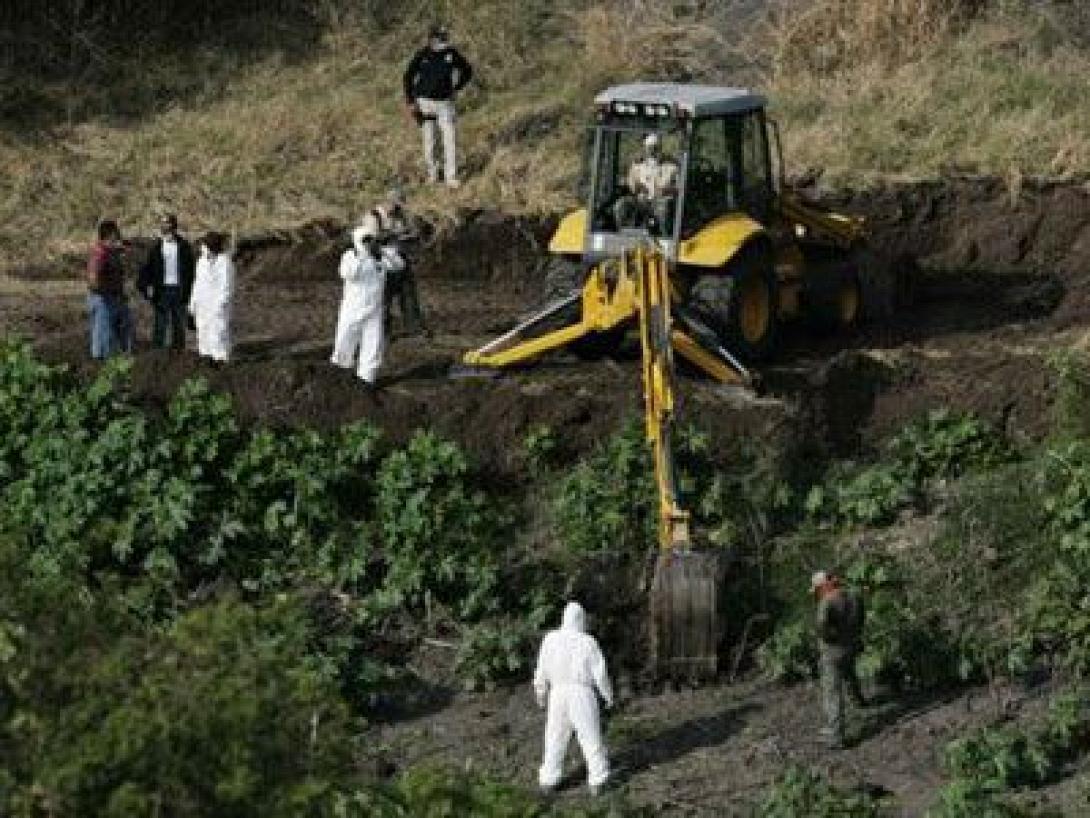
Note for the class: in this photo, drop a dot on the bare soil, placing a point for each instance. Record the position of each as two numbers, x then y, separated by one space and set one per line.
999 283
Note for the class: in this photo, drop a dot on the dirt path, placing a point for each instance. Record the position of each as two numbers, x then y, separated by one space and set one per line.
713 751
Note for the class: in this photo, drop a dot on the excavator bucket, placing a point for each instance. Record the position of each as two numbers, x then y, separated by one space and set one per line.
685 622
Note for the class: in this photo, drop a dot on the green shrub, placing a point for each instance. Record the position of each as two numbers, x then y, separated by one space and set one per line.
426 792
991 761
608 503
801 793
948 444
790 654
221 714
966 798
941 446
541 447
437 532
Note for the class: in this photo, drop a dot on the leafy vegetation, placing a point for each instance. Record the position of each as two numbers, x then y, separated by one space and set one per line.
942 446
802 793
991 761
188 608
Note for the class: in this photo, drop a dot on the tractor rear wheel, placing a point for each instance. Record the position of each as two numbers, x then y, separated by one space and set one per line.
741 303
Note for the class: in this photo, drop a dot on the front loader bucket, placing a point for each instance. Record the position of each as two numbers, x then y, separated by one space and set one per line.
685 627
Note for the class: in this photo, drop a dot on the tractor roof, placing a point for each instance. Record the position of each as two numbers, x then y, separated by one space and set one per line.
696 100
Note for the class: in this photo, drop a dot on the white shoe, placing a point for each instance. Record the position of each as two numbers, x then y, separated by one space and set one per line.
454 184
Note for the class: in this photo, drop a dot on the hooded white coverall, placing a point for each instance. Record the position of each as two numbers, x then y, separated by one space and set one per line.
569 668
210 304
360 320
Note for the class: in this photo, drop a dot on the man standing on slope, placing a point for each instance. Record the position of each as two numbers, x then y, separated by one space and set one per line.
111 319
435 75
166 280
569 668
839 622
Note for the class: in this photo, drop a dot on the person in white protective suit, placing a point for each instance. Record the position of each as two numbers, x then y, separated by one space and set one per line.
211 300
360 329
570 667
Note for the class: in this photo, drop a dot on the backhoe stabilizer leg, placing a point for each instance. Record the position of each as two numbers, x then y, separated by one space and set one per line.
531 338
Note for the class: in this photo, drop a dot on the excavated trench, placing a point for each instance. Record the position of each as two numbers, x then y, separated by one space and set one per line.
996 275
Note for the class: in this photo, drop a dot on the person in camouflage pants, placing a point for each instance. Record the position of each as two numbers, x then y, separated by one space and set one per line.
839 621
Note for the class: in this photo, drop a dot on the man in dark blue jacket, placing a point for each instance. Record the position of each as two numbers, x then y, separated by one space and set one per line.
435 75
166 280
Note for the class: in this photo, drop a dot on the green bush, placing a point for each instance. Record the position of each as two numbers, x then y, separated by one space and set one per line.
790 654
802 793
991 761
221 714
941 446
434 793
437 532
608 503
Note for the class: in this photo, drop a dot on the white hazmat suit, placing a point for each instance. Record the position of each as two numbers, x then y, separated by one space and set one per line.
569 668
210 304
360 320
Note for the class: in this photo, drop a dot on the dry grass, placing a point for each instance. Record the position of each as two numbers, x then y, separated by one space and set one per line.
864 88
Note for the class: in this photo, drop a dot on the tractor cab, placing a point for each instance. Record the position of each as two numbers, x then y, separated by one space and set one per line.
664 161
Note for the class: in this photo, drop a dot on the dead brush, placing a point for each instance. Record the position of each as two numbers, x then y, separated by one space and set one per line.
623 41
830 35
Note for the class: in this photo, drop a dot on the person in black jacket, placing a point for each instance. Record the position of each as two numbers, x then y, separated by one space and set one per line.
433 78
166 280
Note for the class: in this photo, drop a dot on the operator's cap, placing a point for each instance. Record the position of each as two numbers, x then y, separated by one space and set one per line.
651 140
817 579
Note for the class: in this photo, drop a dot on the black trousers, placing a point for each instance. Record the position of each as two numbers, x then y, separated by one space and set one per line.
170 319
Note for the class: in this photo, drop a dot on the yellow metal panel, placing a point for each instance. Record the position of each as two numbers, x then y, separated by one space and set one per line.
715 244
570 234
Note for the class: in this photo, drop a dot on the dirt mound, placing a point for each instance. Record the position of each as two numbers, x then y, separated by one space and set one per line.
1017 243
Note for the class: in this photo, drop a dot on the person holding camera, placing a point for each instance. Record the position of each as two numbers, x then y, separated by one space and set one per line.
360 332
390 224
433 78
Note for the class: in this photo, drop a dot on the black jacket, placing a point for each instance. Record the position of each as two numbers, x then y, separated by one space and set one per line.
151 272
436 74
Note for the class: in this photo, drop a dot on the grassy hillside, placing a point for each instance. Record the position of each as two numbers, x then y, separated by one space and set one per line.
864 88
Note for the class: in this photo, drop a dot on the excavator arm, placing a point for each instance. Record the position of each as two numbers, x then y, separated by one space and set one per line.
685 589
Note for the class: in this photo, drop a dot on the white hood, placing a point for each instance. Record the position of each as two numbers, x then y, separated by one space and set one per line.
359 235
575 618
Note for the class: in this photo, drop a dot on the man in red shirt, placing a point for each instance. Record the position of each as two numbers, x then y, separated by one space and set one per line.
111 320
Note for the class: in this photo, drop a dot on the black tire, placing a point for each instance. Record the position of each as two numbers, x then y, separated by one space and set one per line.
741 303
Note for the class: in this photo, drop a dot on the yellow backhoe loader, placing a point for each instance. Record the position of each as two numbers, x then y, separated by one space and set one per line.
690 233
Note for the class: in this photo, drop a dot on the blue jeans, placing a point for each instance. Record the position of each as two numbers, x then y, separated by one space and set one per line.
111 325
